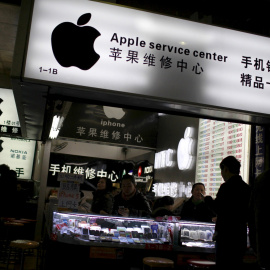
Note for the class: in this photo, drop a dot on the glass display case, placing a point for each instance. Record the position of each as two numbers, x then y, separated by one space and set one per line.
97 230
94 229
196 234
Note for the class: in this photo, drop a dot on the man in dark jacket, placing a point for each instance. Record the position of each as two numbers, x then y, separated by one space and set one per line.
231 205
259 229
130 202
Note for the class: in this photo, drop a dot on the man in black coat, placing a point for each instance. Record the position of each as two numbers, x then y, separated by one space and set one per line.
231 205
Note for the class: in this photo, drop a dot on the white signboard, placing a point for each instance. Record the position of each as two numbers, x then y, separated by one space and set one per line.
69 195
115 48
18 154
9 120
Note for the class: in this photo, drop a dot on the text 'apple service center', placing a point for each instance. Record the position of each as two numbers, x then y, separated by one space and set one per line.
73 45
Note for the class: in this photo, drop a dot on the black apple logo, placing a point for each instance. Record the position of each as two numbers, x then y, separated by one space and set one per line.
1 100
1 147
73 45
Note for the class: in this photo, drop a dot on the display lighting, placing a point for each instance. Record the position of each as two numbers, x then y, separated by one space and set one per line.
56 126
184 150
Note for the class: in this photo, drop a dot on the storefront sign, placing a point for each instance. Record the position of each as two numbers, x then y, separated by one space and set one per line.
9 120
109 47
91 169
111 125
173 189
18 154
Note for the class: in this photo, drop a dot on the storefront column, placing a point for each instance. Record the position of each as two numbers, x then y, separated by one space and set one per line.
42 190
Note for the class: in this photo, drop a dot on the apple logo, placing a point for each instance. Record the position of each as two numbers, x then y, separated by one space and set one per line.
1 147
112 112
1 100
73 45
185 150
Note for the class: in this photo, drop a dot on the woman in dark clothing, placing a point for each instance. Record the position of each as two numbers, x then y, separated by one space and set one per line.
195 208
163 207
130 202
102 198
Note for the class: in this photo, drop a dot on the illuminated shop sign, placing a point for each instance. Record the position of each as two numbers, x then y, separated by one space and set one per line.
109 47
164 159
111 125
18 154
9 120
173 189
185 153
88 170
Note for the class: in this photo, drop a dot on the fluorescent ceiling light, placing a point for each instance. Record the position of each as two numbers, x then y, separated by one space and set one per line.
56 126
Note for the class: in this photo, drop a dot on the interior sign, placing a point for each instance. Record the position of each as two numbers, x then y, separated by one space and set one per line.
108 47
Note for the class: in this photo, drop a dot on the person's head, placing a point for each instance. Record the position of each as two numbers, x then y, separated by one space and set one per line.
128 184
229 166
198 189
104 183
4 169
167 201
13 174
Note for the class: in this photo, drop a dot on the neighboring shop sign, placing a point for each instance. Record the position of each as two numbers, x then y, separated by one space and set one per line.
9 120
91 169
18 154
111 125
259 150
217 140
108 47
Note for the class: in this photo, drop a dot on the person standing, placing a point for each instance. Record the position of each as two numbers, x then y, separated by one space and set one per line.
231 206
259 229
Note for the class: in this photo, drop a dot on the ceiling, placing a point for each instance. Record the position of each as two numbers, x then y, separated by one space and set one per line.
245 17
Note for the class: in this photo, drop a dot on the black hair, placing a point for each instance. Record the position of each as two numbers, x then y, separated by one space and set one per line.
4 169
231 163
197 184
108 183
163 201
129 177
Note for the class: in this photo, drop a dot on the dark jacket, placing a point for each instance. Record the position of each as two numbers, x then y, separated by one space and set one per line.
232 203
138 205
259 227
102 200
161 212
200 212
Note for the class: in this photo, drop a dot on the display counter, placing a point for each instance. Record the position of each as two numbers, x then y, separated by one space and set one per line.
95 230
113 237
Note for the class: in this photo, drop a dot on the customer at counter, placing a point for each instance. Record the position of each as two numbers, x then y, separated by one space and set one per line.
195 208
163 207
231 204
103 198
130 202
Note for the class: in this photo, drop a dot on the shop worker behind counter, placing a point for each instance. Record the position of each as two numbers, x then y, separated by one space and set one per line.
231 205
195 208
103 198
130 202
